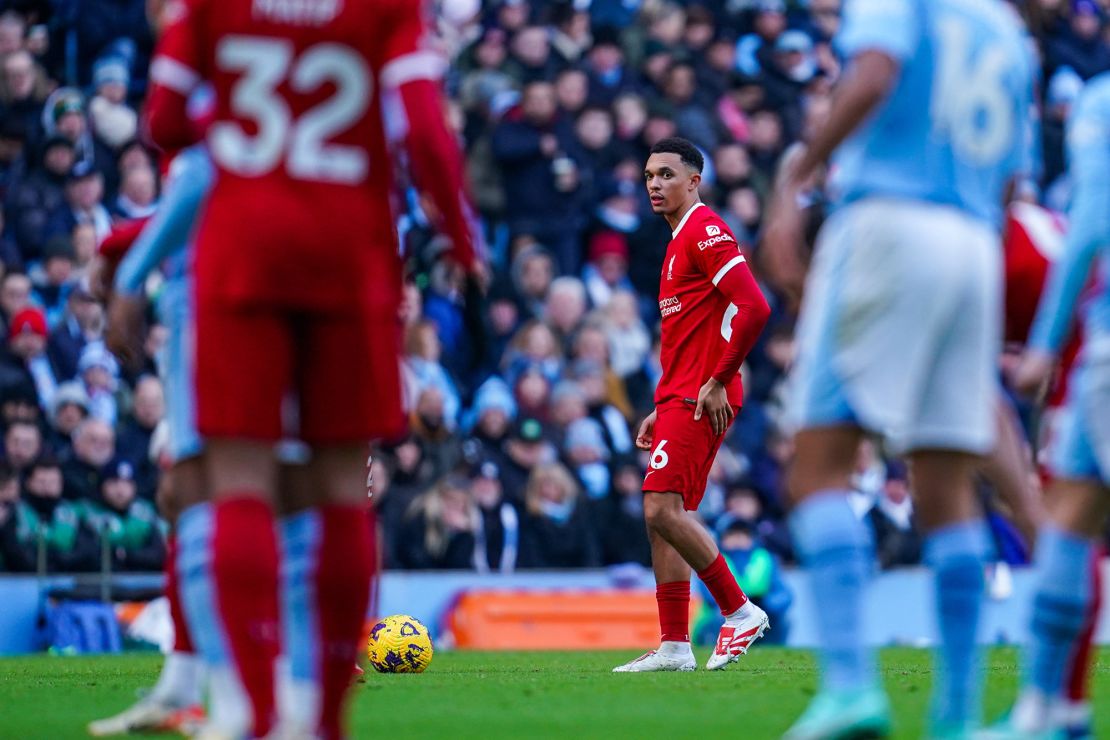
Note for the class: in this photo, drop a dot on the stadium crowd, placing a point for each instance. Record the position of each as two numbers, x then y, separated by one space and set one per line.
524 399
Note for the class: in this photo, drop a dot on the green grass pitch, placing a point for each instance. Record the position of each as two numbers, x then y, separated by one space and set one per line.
524 695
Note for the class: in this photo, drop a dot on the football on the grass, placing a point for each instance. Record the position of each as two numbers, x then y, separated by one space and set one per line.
399 644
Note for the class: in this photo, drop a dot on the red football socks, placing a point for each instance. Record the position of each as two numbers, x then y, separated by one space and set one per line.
722 584
343 573
182 642
674 611
245 570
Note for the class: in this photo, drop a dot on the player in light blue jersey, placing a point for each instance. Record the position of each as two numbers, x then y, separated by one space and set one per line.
900 328
164 242
1079 453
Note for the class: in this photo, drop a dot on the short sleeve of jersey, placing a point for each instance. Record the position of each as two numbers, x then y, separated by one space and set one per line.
407 53
889 26
713 248
177 59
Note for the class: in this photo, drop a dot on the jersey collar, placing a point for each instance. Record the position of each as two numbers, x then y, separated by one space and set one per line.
682 223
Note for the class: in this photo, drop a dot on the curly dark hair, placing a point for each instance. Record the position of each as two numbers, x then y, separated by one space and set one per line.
689 153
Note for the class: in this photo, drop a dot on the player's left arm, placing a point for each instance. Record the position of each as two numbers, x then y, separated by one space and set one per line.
415 115
1089 155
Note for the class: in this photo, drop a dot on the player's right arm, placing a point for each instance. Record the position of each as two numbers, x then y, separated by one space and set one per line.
878 36
645 438
414 111
175 73
1089 162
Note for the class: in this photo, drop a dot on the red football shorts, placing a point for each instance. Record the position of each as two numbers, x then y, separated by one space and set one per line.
682 454
341 367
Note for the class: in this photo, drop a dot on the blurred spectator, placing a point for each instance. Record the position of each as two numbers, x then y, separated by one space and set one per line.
536 347
438 530
1080 43
113 121
24 361
897 538
69 409
1063 91
94 445
70 543
84 192
138 193
531 58
694 121
572 89
54 280
133 441
556 531
498 532
754 50
494 411
82 323
541 161
606 268
31 203
629 345
422 371
568 404
129 524
591 376
588 456
99 371
22 445
624 538
760 577
23 90
412 471
744 502
526 448
15 295
565 308
533 270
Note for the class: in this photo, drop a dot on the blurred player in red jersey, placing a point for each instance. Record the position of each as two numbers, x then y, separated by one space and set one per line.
713 312
1034 239
297 284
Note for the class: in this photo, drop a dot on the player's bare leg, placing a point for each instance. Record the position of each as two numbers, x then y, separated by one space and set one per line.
174 703
957 546
837 551
327 569
1009 468
676 529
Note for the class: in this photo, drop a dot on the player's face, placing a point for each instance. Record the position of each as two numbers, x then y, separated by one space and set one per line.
670 183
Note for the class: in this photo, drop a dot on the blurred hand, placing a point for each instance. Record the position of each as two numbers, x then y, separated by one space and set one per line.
713 402
783 238
1034 373
457 519
102 274
549 145
123 335
646 435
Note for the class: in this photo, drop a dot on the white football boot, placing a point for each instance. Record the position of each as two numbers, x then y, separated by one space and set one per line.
739 631
671 656
146 715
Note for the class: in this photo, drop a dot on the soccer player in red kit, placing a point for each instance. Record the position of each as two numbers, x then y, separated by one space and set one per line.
712 313
297 285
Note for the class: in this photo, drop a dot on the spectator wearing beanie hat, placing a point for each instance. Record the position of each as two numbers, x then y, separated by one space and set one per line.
24 361
99 373
113 121
129 523
69 408
606 269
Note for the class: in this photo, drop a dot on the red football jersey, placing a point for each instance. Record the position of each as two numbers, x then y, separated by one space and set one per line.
697 318
1033 240
300 215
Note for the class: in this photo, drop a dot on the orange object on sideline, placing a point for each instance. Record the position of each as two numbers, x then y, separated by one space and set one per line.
556 620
